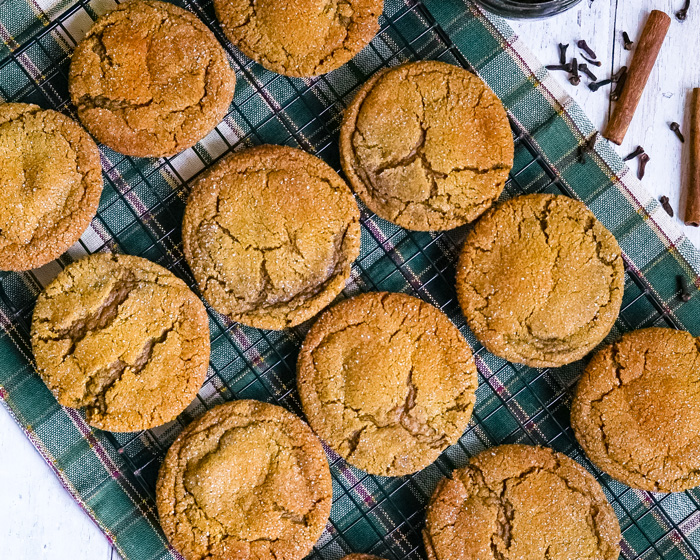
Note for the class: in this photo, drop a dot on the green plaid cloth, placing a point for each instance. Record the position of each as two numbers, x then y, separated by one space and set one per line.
112 476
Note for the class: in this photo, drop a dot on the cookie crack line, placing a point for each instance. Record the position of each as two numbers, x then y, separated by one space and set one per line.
507 511
63 215
297 266
199 519
437 187
116 371
311 291
256 45
100 319
545 345
422 431
627 465
88 101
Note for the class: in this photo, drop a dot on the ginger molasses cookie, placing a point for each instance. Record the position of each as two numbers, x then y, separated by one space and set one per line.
270 234
299 37
50 185
150 79
387 381
123 338
636 412
426 145
540 280
514 502
246 480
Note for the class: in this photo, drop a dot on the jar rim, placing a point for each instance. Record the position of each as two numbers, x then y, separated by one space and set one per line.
520 9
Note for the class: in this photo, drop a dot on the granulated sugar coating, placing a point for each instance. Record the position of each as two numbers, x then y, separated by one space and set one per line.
271 234
248 480
299 37
150 79
516 502
387 381
426 145
637 410
50 185
122 337
540 280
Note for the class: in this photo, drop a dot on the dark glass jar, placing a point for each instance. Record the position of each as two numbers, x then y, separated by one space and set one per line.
527 8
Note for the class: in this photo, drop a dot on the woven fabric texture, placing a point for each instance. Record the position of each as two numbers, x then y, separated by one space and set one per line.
113 476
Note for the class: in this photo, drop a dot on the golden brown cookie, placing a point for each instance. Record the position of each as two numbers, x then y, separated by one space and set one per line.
246 480
637 410
50 185
540 280
123 338
426 145
387 381
299 37
150 79
270 234
517 502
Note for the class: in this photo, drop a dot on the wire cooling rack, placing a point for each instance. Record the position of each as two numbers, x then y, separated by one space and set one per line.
141 211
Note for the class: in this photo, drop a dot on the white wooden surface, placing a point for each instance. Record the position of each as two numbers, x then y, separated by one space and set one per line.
600 23
37 517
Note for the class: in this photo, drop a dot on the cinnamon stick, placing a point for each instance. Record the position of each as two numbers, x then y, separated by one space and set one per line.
642 63
692 204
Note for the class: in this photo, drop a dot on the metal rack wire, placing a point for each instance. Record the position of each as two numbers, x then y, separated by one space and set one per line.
141 211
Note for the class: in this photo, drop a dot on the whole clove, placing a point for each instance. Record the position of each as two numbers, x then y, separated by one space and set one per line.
575 78
558 67
677 129
685 294
595 86
585 147
562 53
643 160
590 143
585 48
682 14
628 42
638 152
617 92
584 68
666 205
619 74
597 63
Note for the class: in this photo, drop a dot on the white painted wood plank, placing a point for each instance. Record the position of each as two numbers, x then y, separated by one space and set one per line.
38 518
593 21
601 23
664 101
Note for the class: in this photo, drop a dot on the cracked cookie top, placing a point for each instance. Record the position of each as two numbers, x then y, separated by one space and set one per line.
517 502
300 38
636 411
150 79
50 185
540 280
387 381
426 145
123 338
246 480
270 234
